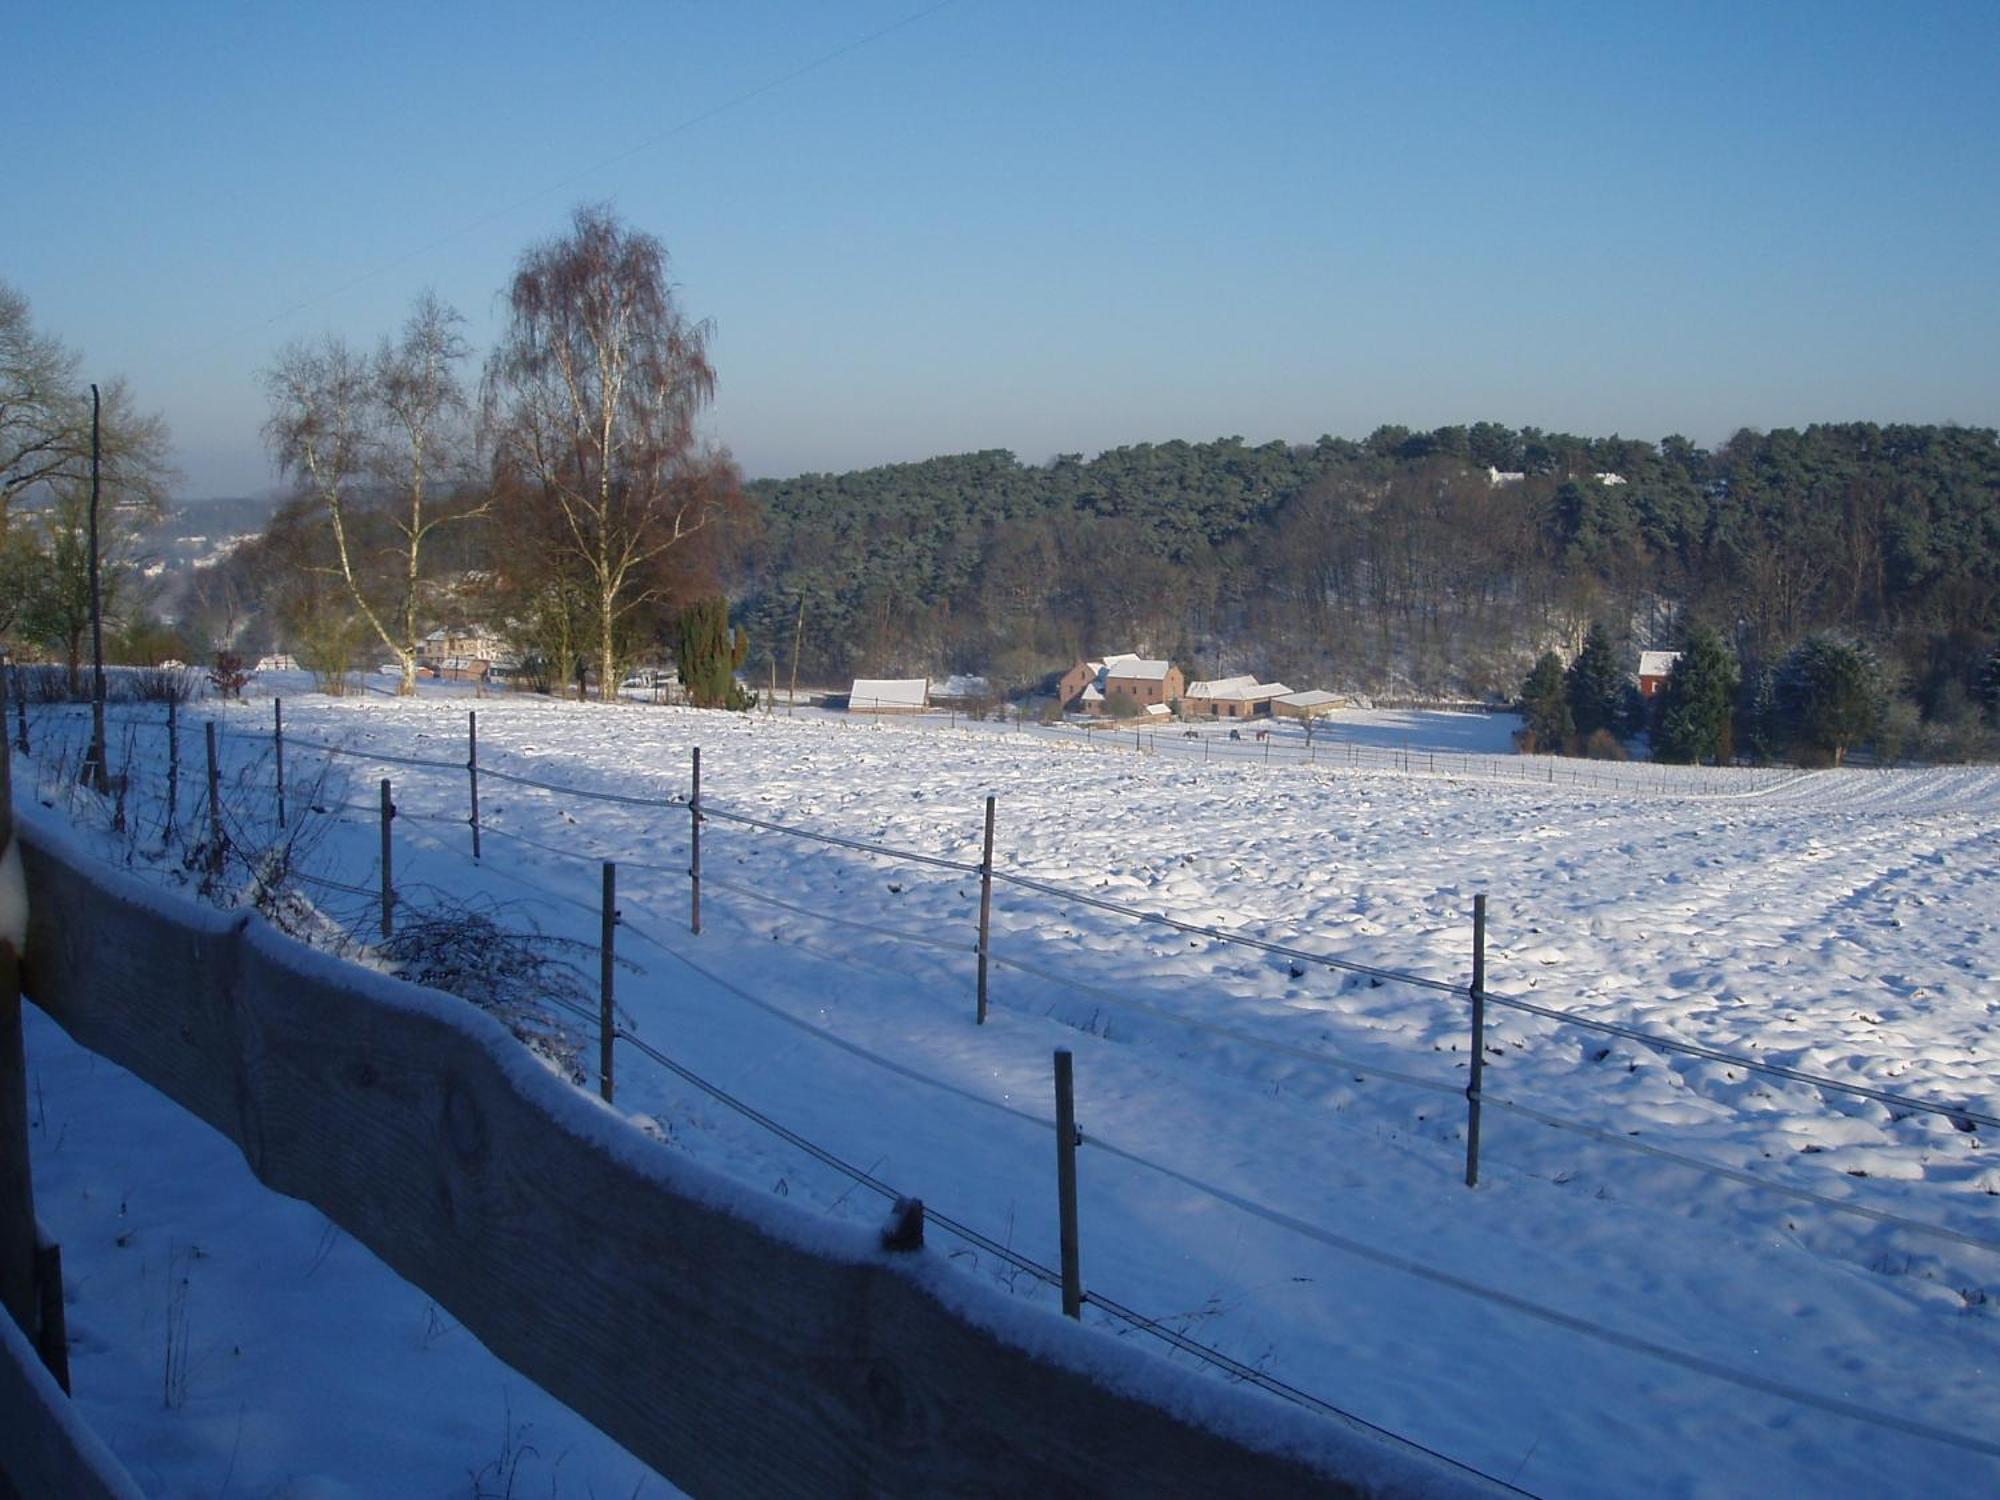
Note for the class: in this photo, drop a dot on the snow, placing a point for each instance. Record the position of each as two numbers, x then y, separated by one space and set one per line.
1254 1173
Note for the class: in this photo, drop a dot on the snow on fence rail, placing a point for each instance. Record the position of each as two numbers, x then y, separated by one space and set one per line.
738 1345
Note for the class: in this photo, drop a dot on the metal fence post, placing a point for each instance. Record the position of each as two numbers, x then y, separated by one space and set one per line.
1475 1082
607 963
278 751
1066 1141
472 771
173 769
694 849
214 805
985 908
388 878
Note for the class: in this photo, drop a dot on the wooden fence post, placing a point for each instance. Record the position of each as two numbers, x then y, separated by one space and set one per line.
985 908
388 877
472 770
1475 1082
52 1336
17 1191
214 805
694 849
606 963
278 751
1066 1140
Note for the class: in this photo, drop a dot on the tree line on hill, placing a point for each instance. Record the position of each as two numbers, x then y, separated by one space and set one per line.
1417 565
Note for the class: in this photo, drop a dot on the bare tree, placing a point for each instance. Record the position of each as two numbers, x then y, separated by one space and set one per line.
350 430
594 391
423 442
45 422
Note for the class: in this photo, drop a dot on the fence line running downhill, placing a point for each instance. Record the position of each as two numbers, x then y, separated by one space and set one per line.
702 809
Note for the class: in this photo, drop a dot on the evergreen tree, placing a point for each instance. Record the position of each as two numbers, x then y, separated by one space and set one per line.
1545 704
1596 685
709 654
1760 723
1987 686
1696 705
1831 695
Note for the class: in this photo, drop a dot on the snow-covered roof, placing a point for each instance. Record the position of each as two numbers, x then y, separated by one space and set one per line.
960 686
1238 690
1657 663
1136 667
1091 693
1158 710
1220 687
889 692
1311 698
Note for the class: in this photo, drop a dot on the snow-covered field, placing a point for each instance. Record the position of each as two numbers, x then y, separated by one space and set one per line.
1274 1149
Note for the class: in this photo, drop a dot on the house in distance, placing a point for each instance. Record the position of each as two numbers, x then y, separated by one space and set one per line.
1101 687
1655 667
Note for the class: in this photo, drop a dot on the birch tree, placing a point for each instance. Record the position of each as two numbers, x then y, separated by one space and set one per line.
594 392
369 442
424 415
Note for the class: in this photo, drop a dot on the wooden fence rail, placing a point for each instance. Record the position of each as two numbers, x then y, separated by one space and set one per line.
738 1344
45 1448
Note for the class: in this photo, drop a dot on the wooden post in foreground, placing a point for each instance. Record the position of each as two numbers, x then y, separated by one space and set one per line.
1066 1139
472 770
17 1192
52 1337
694 849
985 908
388 879
1476 1080
606 963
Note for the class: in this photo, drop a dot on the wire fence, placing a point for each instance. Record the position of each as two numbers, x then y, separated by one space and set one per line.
699 810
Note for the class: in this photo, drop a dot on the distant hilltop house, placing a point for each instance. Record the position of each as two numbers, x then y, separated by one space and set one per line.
889 695
1497 477
1098 687
1655 667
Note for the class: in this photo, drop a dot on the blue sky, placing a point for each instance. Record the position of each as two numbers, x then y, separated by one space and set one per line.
1047 227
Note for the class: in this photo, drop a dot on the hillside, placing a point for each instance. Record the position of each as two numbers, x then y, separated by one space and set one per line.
1431 563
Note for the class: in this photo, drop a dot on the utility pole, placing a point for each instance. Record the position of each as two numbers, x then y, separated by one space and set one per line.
100 778
798 636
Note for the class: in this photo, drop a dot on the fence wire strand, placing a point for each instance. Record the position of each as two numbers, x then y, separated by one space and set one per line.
1555 1317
